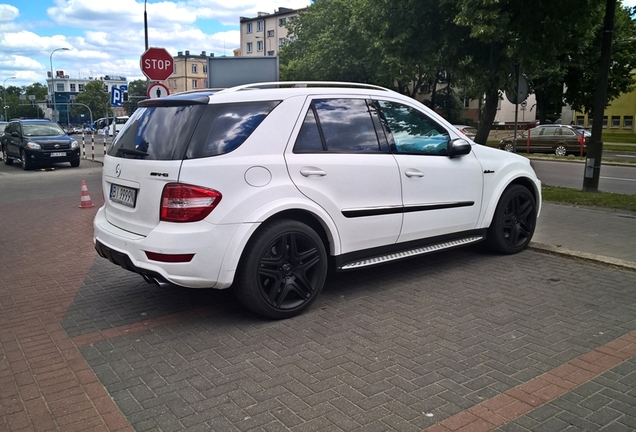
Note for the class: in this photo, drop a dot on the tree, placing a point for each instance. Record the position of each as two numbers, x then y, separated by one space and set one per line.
96 98
136 93
582 71
18 103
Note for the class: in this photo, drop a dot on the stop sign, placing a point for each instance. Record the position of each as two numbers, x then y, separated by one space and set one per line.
157 64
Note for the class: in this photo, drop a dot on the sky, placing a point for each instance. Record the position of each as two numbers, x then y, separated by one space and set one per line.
107 37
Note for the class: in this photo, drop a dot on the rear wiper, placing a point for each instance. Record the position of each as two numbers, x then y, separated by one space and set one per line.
132 152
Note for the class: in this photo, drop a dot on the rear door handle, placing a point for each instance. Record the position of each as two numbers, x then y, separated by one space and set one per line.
312 171
413 173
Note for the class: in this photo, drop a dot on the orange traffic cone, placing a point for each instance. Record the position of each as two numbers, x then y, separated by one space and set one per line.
85 201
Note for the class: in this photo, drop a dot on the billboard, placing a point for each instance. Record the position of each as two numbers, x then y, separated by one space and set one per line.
226 72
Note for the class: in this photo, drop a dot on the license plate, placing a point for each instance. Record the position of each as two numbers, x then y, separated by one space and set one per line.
123 195
58 154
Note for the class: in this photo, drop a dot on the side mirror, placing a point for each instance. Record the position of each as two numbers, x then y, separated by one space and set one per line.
458 147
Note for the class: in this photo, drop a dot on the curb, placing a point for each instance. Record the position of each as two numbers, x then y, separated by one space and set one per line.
630 265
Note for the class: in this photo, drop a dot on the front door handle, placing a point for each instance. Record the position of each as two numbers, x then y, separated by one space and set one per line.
413 173
312 171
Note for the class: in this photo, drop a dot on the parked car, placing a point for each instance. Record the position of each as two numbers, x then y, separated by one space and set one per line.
38 142
265 190
561 140
469 131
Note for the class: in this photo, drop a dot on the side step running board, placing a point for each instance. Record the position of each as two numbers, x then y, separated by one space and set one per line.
410 253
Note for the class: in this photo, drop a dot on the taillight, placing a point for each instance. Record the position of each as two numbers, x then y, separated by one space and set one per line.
187 203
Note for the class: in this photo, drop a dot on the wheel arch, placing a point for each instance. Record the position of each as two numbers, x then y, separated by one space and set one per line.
524 181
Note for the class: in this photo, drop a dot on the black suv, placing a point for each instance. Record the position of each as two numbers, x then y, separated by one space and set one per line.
38 142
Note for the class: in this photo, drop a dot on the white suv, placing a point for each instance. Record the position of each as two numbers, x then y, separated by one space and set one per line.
264 187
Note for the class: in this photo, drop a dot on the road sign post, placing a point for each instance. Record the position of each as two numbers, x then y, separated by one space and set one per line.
157 64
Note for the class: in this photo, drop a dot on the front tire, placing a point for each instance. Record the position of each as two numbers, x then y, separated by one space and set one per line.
26 164
282 271
75 163
514 221
560 150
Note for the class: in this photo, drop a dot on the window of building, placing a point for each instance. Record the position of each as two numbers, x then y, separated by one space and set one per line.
281 42
59 87
205 68
81 87
72 87
580 120
282 21
616 121
271 53
259 46
466 103
194 68
292 38
175 83
604 121
249 47
270 33
589 122
259 26
195 83
250 27
628 122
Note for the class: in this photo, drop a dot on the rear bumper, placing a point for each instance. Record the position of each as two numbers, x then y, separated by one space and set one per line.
209 267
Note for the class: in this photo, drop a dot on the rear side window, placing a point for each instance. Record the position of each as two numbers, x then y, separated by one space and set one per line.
224 127
339 126
157 133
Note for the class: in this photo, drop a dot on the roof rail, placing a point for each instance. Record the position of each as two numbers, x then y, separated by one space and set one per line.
293 84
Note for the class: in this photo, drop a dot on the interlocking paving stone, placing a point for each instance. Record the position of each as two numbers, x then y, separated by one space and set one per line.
379 350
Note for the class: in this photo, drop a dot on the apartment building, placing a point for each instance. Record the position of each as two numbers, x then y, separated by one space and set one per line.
190 72
265 34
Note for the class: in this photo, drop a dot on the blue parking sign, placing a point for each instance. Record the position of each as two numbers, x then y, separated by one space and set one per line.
116 97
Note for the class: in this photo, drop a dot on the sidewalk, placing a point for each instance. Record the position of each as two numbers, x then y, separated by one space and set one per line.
598 234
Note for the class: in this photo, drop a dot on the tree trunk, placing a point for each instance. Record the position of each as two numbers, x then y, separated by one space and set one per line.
487 116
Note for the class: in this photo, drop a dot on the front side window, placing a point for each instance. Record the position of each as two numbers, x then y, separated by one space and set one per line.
346 126
414 132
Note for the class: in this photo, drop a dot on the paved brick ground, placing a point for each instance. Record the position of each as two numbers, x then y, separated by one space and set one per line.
454 341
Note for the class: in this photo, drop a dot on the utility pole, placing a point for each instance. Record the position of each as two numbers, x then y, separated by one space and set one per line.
595 146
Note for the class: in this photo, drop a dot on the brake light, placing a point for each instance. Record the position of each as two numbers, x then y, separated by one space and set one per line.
187 203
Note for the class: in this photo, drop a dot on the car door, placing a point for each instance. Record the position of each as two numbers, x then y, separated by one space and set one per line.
441 195
340 162
13 142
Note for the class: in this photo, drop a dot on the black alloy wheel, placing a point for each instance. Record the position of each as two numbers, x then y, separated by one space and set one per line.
514 221
26 164
283 270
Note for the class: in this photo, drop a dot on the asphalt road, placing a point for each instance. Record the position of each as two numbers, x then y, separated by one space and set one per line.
616 179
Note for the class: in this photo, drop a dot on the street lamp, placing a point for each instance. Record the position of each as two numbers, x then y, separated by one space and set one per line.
53 80
4 89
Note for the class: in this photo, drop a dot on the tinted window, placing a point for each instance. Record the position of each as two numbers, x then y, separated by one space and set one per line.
549 131
567 132
157 133
413 132
346 126
309 140
225 127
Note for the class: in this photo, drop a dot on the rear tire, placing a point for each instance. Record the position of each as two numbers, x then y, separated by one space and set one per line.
514 221
282 271
5 157
560 150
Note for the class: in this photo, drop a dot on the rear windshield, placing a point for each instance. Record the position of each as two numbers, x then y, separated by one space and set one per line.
191 131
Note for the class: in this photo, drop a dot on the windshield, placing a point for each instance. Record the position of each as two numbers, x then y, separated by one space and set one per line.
42 129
